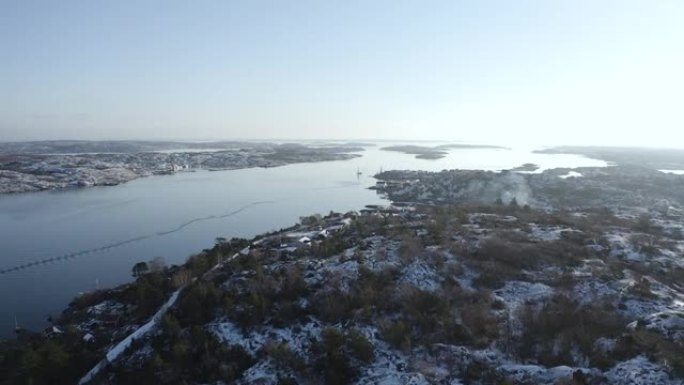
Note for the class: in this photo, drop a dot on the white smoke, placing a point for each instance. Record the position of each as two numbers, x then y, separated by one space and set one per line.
505 186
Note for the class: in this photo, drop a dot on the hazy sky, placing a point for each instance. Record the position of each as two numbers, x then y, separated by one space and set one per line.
607 72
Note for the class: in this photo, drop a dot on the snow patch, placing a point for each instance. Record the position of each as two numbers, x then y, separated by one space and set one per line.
639 370
589 291
516 293
264 373
521 373
421 275
571 174
297 337
669 323
552 233
106 307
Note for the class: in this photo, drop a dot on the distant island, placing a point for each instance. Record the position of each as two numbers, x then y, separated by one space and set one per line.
656 158
527 167
50 165
436 152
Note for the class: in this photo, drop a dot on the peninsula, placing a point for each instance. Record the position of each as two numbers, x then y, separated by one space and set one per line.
37 166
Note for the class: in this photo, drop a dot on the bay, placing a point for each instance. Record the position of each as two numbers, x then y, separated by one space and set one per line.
88 238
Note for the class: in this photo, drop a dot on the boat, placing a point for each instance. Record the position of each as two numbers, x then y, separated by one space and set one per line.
17 329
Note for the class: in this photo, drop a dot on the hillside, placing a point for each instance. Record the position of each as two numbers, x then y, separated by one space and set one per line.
454 294
480 278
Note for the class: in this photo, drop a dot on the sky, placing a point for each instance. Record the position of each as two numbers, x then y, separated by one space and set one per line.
508 71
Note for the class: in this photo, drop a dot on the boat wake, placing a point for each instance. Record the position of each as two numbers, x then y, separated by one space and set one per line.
66 257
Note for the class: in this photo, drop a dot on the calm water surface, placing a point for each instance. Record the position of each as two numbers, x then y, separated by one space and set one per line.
175 216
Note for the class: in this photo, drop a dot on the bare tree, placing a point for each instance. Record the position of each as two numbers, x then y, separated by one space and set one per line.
157 264
140 268
182 278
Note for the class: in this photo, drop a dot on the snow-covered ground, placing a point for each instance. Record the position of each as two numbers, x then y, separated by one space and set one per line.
571 174
640 371
612 274
517 293
297 337
421 275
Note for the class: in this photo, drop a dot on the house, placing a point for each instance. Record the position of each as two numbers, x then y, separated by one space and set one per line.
52 331
108 320
89 338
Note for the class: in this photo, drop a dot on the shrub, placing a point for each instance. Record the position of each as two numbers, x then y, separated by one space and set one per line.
411 247
360 347
283 356
331 305
397 333
493 274
481 323
198 303
293 285
553 332
194 353
333 362
424 309
148 293
518 255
